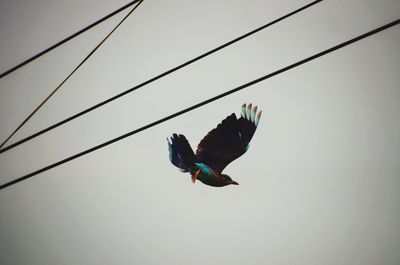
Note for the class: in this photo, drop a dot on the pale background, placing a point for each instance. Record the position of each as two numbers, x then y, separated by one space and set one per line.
320 183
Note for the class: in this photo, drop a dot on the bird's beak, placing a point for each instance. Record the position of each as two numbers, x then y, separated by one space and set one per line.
234 182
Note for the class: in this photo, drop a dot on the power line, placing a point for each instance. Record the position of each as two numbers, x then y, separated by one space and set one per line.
9 71
174 115
65 80
156 78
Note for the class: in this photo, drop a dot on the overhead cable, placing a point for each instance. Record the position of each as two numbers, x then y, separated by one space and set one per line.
174 115
156 78
65 79
9 71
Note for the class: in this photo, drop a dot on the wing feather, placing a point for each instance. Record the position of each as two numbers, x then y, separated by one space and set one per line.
229 140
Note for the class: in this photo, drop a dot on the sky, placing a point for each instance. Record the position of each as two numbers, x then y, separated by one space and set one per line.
319 184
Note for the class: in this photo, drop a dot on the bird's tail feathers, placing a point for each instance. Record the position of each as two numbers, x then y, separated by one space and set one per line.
180 153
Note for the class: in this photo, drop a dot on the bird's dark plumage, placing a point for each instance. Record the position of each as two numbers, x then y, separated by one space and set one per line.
180 152
217 149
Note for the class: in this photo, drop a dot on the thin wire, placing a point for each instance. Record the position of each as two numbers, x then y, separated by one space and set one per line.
65 80
156 78
9 71
174 115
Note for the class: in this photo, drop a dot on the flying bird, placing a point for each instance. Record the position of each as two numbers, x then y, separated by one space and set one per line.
218 148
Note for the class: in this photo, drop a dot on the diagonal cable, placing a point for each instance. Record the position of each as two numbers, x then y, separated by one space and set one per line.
65 80
9 71
156 77
198 105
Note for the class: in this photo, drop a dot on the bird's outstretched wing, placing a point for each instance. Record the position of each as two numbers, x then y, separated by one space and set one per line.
180 152
229 140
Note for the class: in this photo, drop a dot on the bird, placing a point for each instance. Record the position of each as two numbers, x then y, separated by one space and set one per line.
222 145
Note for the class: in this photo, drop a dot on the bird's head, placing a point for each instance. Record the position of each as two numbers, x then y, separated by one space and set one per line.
229 180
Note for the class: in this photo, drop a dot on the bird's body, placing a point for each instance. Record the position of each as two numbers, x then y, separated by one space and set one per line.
209 177
218 148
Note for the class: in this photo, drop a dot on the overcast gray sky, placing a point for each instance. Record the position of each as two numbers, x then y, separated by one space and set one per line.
319 185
